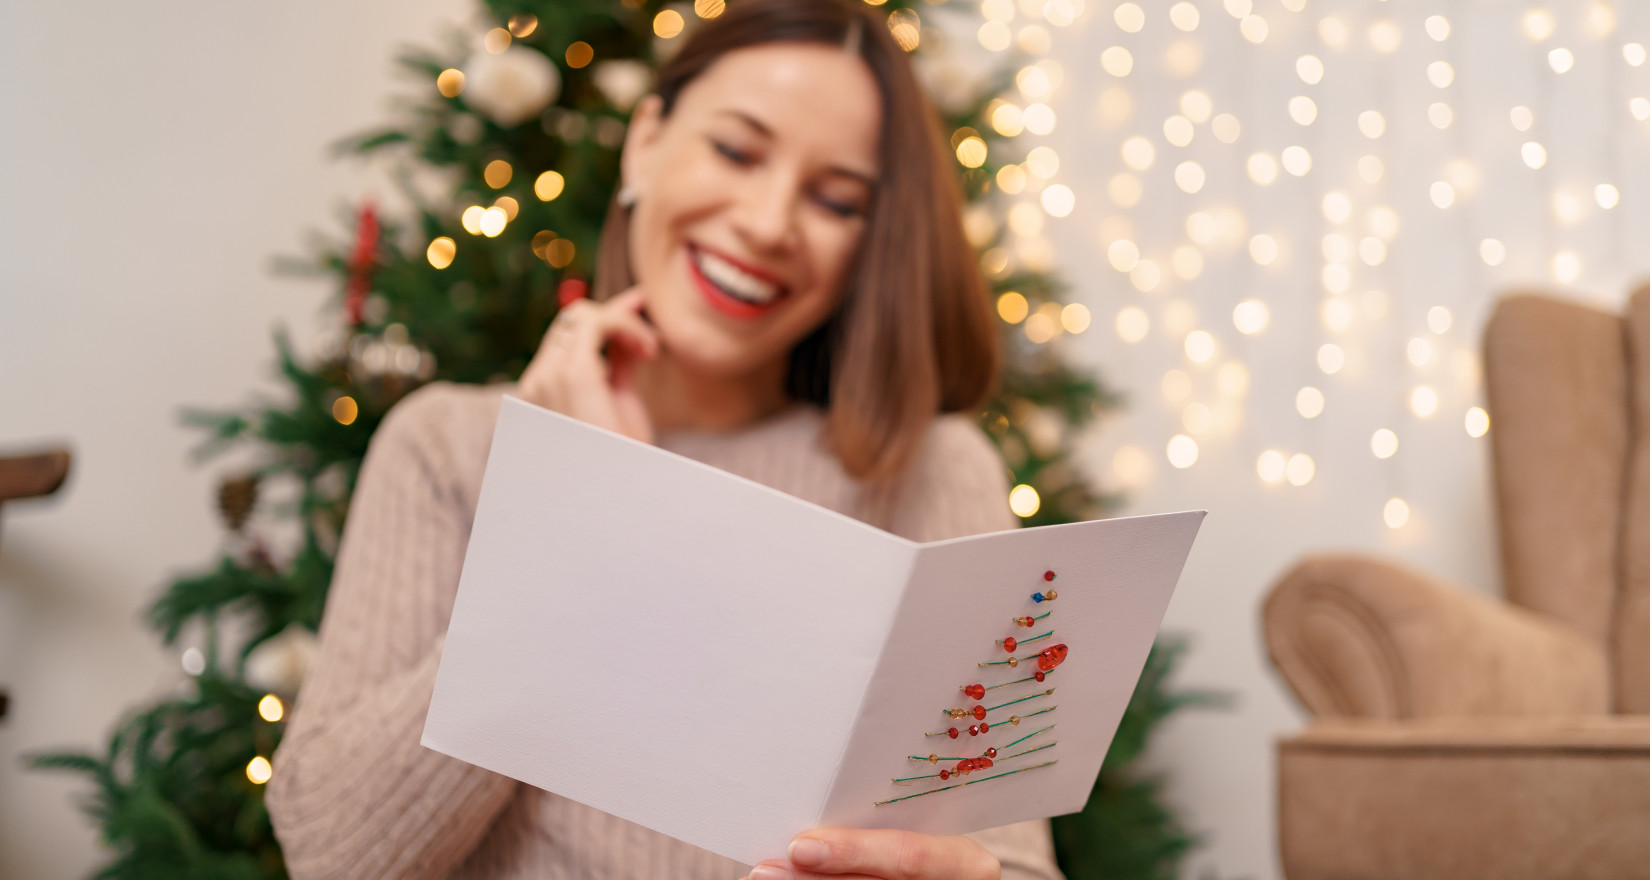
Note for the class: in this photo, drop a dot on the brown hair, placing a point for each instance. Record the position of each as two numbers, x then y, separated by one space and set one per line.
914 335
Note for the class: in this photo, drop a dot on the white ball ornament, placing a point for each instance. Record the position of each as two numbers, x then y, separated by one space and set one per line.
512 86
624 82
278 665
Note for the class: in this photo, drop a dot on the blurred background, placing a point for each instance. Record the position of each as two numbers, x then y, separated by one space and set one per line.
1285 221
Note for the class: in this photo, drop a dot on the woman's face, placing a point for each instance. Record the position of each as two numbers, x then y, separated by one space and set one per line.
751 200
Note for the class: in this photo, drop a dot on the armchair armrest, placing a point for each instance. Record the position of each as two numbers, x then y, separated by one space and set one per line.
1358 637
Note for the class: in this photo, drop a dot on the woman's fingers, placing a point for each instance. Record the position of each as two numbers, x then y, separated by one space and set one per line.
844 853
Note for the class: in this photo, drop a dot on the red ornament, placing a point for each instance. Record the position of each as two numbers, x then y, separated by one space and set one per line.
361 261
1009 644
975 692
571 290
985 763
973 730
979 712
945 774
1048 575
991 752
1027 621
1049 658
951 732
1039 675
984 727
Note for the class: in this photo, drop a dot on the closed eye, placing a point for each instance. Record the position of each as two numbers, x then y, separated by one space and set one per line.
737 157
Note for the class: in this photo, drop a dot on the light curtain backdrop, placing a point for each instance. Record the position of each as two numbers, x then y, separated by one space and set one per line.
1291 219
155 160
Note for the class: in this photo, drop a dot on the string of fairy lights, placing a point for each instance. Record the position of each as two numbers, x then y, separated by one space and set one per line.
1353 260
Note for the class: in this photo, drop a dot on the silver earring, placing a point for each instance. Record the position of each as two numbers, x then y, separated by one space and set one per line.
627 196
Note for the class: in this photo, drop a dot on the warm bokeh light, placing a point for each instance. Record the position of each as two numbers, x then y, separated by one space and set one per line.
906 27
1250 316
1330 358
1182 451
1477 422
559 253
522 25
1492 251
1270 466
1439 319
496 41
492 221
1395 513
1132 324
1131 465
1200 346
1419 351
1384 443
345 410
971 151
1075 318
450 83
441 251
668 23
1423 401
1300 469
1023 500
1309 402
258 770
1013 307
270 708
580 54
549 185
709 8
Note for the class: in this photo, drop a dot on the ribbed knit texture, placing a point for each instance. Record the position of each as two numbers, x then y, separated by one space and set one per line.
355 796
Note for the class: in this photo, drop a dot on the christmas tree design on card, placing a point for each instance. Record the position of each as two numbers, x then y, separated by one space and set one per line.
730 665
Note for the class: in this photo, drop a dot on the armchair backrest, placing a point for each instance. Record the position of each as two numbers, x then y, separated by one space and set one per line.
1557 377
1630 653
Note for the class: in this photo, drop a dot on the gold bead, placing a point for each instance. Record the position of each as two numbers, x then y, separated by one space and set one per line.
1014 720
1051 595
933 759
1013 661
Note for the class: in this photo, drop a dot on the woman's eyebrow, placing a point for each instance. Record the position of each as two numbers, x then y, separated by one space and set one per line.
761 128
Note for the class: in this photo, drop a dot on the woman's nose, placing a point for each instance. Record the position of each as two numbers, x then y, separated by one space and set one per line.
767 210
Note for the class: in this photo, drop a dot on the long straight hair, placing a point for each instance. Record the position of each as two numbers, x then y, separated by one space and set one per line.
914 335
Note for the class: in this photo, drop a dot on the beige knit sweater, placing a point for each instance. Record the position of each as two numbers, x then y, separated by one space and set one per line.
355 796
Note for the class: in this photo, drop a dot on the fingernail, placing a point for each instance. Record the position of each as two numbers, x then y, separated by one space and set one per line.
771 872
808 852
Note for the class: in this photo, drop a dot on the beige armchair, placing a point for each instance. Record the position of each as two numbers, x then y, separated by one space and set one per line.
1462 737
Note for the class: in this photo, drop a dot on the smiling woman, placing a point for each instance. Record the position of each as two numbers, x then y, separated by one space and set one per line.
783 290
791 215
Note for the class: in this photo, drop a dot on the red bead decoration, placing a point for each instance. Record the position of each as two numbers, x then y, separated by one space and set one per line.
951 732
1049 658
1009 644
984 727
1048 575
1039 675
991 752
975 692
973 730
979 712
945 774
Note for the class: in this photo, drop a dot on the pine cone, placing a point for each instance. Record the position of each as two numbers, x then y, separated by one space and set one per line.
236 498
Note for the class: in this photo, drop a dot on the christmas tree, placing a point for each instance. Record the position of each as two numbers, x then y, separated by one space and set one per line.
521 132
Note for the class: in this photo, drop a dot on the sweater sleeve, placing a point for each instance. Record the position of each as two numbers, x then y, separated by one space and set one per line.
354 794
958 487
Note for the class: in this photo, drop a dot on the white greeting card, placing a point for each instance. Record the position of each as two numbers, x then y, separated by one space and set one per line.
729 665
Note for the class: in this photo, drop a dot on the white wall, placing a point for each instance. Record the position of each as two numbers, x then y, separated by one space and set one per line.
1220 763
153 158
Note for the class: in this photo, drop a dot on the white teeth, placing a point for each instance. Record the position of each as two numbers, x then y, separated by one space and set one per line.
736 281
